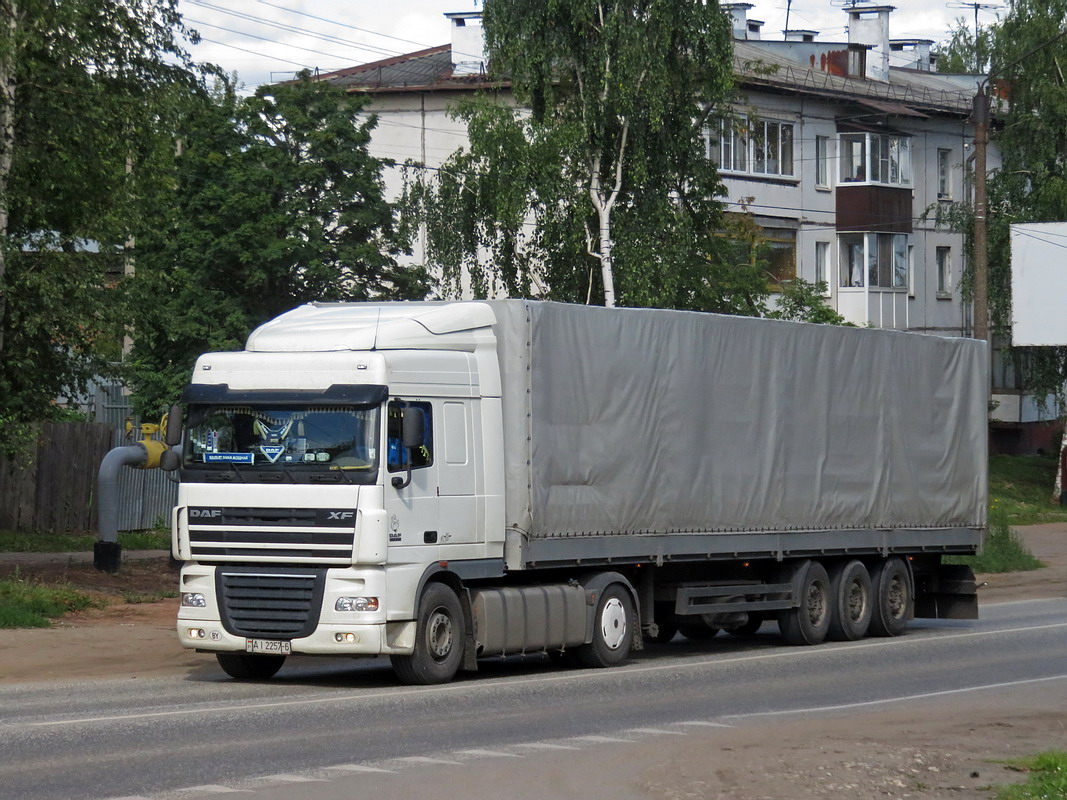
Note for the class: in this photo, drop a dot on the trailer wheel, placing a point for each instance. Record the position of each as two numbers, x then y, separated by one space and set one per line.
893 597
850 589
809 622
613 625
244 667
438 639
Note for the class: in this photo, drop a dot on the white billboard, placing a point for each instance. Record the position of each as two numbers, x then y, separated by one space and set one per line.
1039 283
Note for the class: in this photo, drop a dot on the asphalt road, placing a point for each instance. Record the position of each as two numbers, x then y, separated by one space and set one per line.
332 721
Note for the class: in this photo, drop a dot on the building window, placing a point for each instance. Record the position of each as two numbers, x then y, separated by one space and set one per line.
944 175
943 257
880 258
782 254
876 158
822 166
756 147
822 264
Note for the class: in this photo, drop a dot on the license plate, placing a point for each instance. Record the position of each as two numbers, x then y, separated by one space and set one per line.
268 646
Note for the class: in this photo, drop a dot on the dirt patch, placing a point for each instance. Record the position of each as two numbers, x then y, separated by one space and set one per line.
120 639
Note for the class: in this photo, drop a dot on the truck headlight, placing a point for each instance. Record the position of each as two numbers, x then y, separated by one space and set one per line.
356 604
194 600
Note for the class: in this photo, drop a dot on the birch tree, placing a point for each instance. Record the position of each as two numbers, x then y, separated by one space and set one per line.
597 180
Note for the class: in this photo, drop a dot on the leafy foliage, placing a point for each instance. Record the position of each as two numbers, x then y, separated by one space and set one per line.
273 202
964 53
592 178
86 92
606 173
1027 62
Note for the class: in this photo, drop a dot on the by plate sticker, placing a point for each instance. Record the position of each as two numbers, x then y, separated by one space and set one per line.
230 458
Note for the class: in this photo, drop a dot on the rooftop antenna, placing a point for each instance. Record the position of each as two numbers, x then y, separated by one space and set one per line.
979 61
788 7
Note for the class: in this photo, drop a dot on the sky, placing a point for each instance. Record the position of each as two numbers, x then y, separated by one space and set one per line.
264 41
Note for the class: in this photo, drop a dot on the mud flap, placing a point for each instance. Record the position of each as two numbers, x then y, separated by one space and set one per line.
949 592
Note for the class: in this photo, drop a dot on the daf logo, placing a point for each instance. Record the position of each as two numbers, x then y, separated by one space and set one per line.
341 514
208 513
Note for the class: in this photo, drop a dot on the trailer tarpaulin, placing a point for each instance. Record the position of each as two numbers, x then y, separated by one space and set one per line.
642 421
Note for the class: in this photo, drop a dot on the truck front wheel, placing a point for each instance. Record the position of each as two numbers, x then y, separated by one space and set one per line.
439 639
613 625
244 667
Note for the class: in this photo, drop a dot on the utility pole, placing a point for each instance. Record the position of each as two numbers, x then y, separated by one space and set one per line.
980 115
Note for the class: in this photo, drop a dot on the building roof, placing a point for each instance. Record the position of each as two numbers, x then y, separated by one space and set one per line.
757 64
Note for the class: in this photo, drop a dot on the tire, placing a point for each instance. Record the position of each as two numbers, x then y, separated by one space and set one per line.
697 630
808 623
244 667
439 638
853 601
613 626
893 597
753 624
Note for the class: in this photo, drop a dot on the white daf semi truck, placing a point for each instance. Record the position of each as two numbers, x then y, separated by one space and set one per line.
443 482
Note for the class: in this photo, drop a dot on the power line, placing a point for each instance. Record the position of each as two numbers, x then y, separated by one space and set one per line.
264 39
344 24
325 37
255 53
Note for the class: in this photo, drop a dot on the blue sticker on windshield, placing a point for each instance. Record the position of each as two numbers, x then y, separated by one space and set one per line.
229 458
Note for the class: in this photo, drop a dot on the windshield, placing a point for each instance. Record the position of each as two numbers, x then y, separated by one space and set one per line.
250 439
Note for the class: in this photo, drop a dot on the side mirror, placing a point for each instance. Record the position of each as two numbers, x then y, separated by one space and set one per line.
174 426
413 432
170 460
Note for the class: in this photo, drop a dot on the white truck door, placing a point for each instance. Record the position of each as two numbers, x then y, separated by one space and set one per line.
457 474
414 518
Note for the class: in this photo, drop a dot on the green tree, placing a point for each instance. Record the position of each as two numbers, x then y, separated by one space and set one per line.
85 91
273 201
1029 59
964 53
599 182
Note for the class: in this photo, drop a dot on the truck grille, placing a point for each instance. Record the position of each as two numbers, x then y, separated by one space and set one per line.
279 604
308 535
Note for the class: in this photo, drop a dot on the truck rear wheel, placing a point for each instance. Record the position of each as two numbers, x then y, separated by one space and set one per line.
438 639
850 589
613 625
809 622
244 667
893 597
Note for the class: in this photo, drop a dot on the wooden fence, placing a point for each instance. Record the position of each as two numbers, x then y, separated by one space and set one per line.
54 488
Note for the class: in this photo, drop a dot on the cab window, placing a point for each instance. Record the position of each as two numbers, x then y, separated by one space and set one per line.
402 458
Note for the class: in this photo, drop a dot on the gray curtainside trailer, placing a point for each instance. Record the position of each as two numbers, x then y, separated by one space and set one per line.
546 477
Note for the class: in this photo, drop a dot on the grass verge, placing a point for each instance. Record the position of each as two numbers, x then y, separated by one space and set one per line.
44 542
28 604
1048 778
1020 489
1003 552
